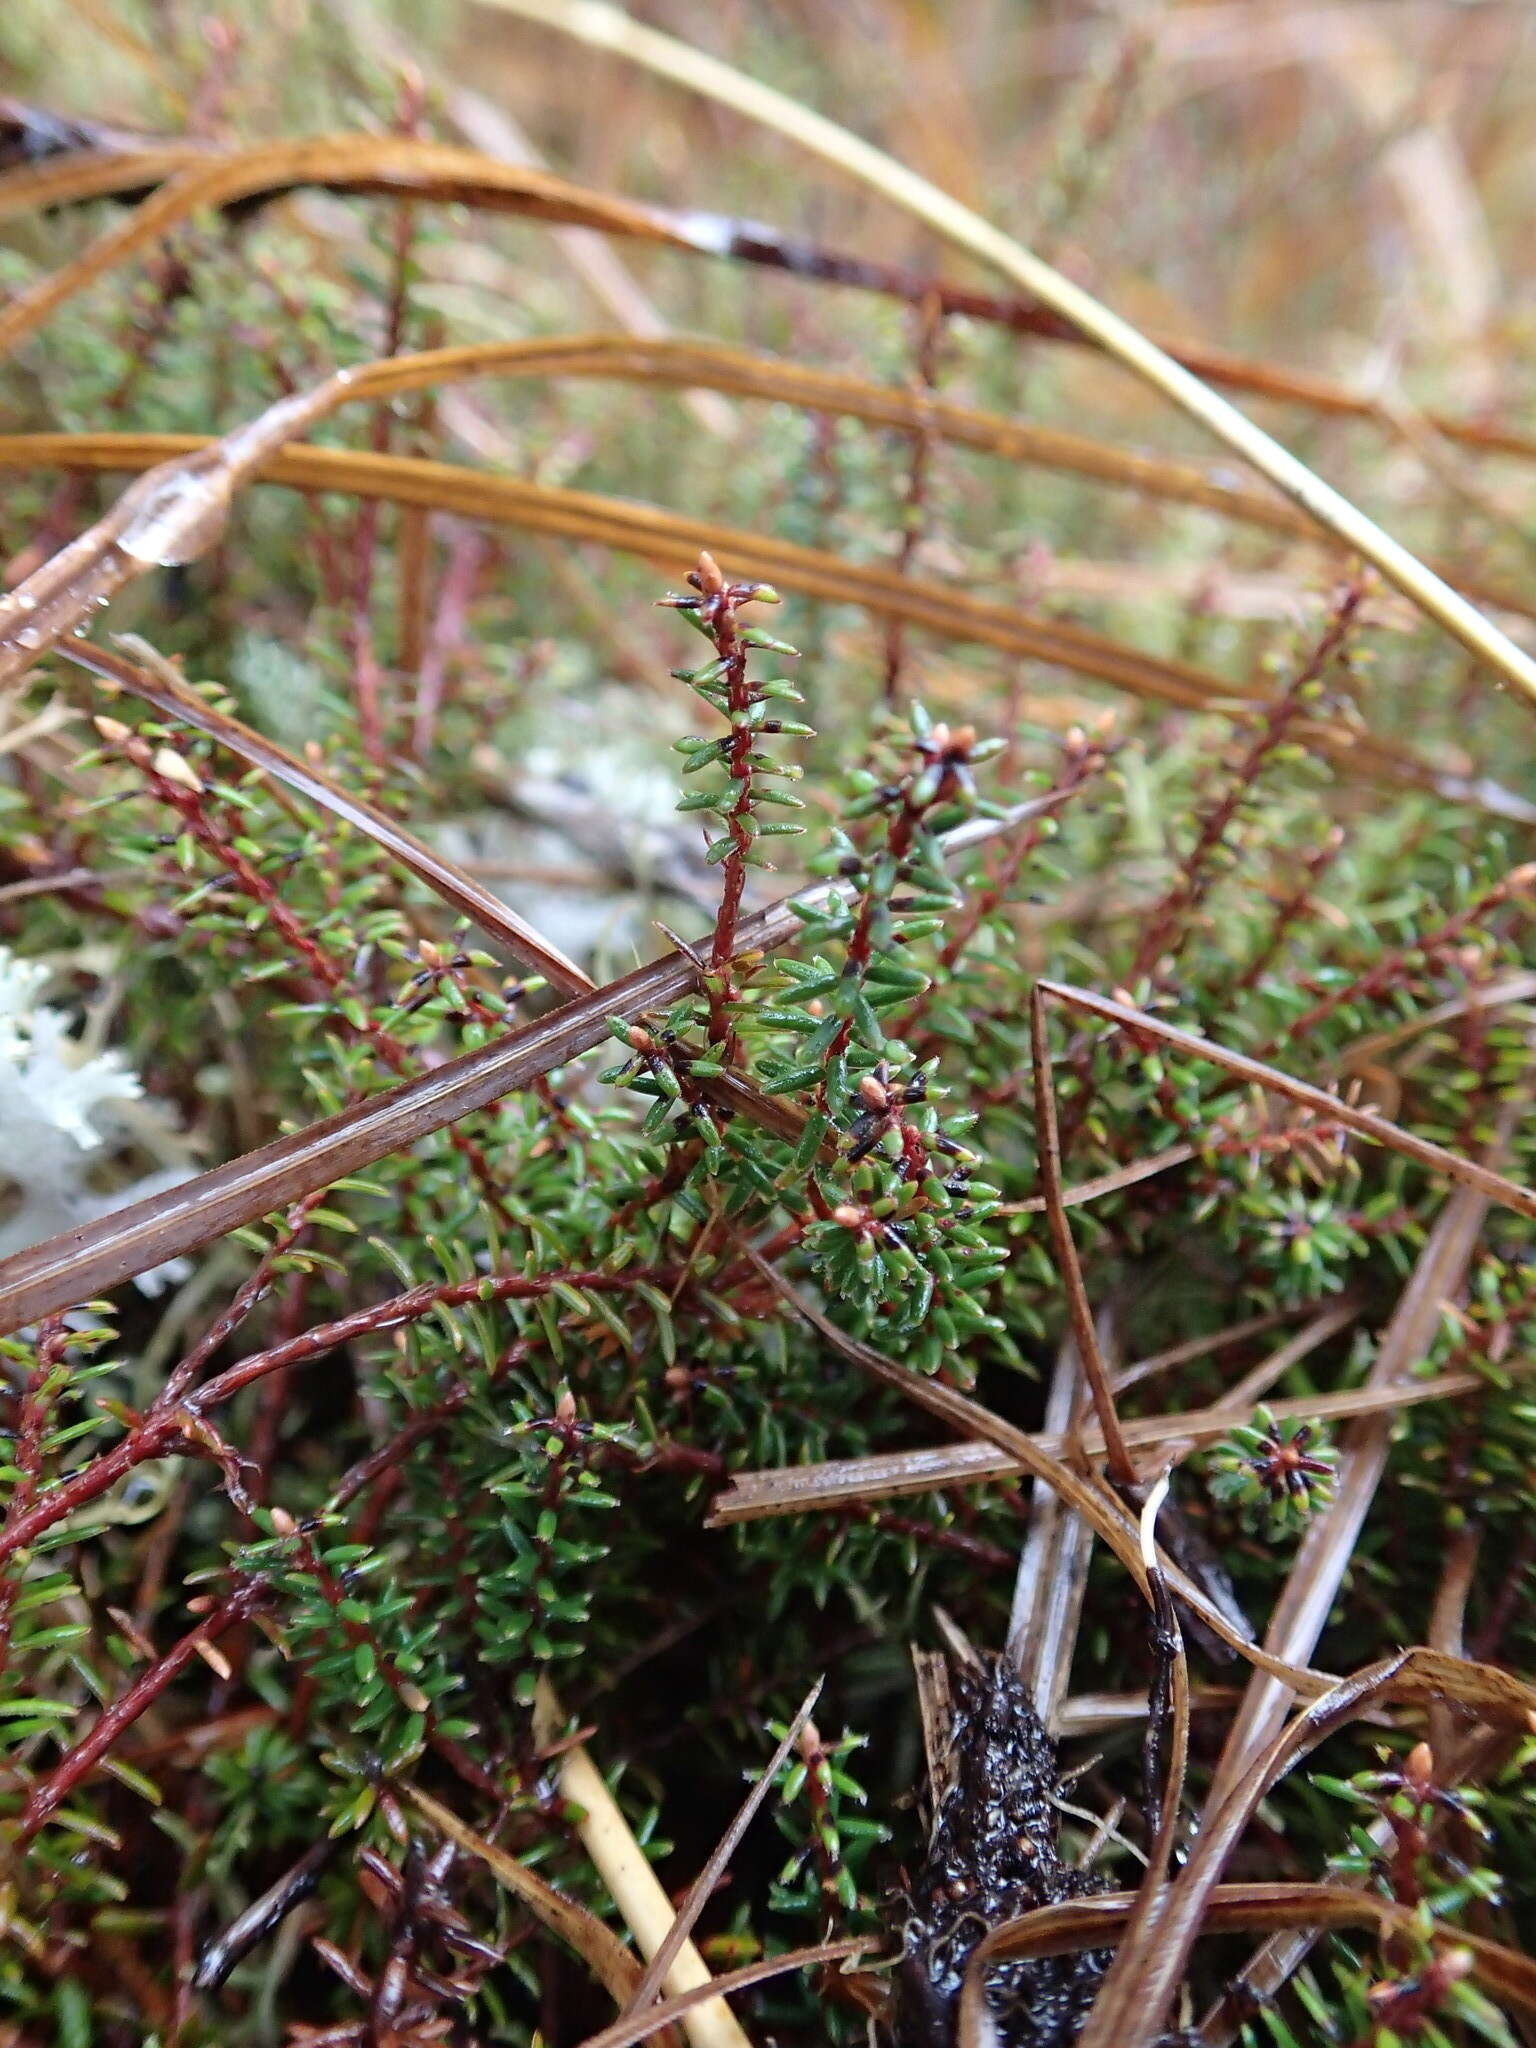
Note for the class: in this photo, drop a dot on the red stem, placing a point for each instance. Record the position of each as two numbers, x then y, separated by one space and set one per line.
161 1432
27 1455
78 1762
1197 872
739 765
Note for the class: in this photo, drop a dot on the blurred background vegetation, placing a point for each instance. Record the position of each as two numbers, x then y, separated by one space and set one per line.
1338 196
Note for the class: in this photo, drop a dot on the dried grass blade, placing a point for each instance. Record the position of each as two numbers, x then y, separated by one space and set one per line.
1095 1372
934 1683
704 1884
667 538
1053 1565
384 164
616 523
1104 1512
632 1884
693 365
597 1945
153 678
1323 1555
93 174
1141 1982
751 241
1140 1025
1244 1908
1200 1347
1283 1954
1254 1385
70 180
798 1489
1106 1183
624 2032
170 515
606 27
1091 1713
1492 995
82 1263
158 683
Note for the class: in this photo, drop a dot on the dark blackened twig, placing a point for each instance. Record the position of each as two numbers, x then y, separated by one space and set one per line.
994 1854
639 2025
1165 1751
261 1917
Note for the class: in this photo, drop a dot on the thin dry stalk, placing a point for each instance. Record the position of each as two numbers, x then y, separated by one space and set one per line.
151 677
598 1946
1365 1123
664 537
714 1867
1323 1556
1053 1565
1102 1509
1254 1385
689 365
1122 1466
1271 1966
843 1482
1247 1907
80 1264
1094 1713
625 2032
634 1887
1135 1995
603 26
142 163
66 591
1105 1183
390 165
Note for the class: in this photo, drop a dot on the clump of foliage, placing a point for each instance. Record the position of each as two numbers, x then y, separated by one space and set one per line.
1275 1472
583 1425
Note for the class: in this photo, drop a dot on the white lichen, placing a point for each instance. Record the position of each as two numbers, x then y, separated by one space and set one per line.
64 1108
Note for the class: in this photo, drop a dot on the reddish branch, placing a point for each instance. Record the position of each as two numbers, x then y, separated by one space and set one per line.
252 1291
176 783
467 553
1292 908
1204 863
27 1452
914 511
365 540
717 609
77 1763
974 1549
170 1429
1084 757
1398 969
